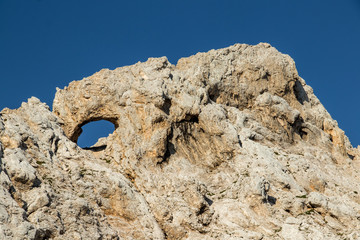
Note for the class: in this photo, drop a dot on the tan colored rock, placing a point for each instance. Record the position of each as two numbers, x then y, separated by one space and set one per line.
228 144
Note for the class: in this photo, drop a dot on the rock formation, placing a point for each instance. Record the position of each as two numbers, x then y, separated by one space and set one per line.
228 144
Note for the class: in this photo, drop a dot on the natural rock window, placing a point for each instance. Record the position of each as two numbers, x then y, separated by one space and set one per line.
94 133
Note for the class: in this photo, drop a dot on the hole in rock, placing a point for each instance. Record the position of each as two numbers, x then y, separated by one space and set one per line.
92 132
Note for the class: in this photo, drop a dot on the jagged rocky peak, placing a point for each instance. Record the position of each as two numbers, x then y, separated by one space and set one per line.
228 144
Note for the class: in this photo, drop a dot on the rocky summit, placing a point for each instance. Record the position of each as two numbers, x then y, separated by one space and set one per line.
228 144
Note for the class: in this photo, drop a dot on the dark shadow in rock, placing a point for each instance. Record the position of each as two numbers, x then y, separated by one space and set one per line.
271 200
25 205
43 233
167 105
214 93
23 146
96 149
240 143
189 118
170 149
36 183
300 93
209 201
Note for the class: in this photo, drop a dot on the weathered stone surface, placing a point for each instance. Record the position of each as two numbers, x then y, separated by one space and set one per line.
229 144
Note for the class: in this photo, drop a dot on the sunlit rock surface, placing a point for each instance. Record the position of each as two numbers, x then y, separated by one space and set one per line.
228 144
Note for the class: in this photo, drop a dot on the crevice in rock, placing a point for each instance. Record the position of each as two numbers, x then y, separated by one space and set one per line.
271 200
56 145
266 76
300 92
170 148
202 209
298 128
43 234
214 93
208 200
166 106
184 126
190 119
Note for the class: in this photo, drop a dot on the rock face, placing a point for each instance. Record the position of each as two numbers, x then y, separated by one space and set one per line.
229 144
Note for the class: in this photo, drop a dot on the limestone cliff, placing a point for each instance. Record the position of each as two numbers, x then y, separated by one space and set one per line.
228 144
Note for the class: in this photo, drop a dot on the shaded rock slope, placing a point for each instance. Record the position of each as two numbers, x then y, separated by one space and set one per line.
228 144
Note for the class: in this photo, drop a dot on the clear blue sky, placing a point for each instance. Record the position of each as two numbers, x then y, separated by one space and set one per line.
48 43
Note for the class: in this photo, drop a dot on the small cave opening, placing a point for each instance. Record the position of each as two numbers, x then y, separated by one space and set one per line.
92 134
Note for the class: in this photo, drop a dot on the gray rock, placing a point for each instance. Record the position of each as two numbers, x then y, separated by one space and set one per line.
195 148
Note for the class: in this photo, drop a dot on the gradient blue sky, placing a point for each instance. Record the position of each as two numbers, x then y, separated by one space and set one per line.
48 43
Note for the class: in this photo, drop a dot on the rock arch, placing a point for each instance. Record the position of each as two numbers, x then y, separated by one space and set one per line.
84 102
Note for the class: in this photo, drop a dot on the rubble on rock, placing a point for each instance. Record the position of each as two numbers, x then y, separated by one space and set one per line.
228 144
